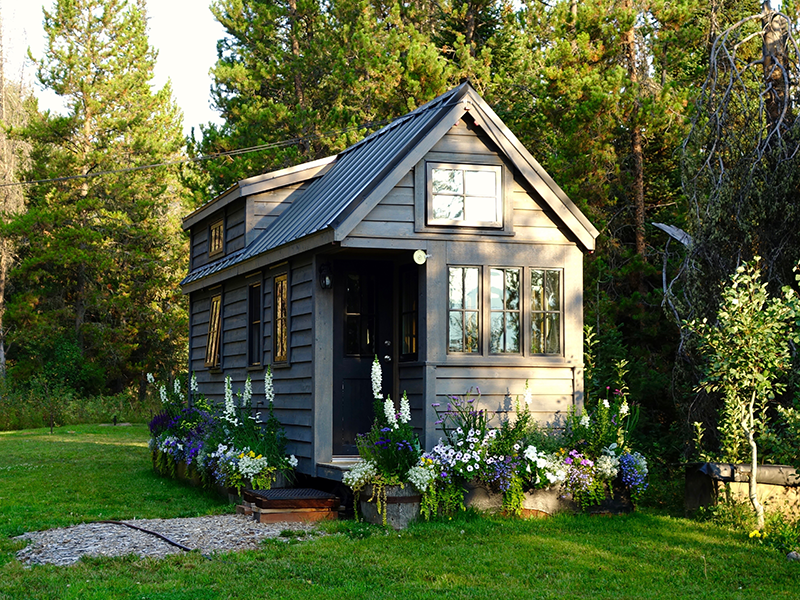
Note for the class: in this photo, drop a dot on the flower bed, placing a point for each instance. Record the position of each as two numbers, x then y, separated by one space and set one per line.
224 446
520 467
588 459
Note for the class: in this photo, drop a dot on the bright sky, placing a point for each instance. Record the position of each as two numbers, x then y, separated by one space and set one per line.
183 31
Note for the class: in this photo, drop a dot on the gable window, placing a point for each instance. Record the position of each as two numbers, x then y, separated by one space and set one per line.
254 325
216 241
214 332
464 195
280 318
464 310
545 311
504 336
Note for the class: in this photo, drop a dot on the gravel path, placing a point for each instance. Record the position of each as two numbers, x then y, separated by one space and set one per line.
219 533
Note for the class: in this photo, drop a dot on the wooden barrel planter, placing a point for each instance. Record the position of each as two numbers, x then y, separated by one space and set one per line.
402 506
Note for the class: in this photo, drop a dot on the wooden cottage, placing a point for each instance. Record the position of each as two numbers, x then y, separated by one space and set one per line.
438 244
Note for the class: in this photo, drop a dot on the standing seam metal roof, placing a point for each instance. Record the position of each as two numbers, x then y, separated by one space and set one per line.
357 170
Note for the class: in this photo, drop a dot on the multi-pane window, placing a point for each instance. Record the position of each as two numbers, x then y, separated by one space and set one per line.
254 325
545 311
216 233
504 336
214 332
464 195
409 313
494 321
464 310
280 319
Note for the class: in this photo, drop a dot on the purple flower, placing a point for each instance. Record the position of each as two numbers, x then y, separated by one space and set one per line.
435 405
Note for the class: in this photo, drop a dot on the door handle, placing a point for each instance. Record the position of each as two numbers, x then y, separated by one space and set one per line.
387 358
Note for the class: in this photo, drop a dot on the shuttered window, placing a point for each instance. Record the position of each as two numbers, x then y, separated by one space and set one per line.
280 319
216 238
214 332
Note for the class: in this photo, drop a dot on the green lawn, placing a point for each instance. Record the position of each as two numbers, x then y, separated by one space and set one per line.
85 473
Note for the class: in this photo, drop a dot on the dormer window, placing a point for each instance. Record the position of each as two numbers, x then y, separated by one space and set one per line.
216 237
464 195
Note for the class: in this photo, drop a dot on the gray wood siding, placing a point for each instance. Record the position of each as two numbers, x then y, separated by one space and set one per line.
552 388
412 381
264 208
234 228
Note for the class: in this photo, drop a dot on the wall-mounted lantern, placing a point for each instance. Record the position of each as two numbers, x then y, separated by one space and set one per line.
325 276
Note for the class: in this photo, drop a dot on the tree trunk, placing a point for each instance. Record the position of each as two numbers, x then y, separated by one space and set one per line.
637 155
776 73
748 424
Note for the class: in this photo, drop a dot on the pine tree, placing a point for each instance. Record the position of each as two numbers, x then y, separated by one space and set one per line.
103 252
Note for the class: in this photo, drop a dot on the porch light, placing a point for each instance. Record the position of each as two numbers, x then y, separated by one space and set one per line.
325 276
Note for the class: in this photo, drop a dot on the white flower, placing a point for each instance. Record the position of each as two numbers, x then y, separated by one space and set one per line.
376 380
362 473
150 379
163 391
421 476
193 384
292 461
528 394
405 410
388 410
531 453
624 409
607 466
585 422
469 468
605 402
248 392
269 390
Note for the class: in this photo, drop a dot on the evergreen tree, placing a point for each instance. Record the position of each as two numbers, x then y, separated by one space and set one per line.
102 251
307 78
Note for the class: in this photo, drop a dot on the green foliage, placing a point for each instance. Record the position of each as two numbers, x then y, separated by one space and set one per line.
100 257
748 352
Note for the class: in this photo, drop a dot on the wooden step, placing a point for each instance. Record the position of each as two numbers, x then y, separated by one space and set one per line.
290 504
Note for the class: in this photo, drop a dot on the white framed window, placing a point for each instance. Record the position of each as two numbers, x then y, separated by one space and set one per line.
464 195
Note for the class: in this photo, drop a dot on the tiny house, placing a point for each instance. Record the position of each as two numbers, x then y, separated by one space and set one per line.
437 244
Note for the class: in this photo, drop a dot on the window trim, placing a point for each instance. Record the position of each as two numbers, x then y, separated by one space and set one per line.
500 201
211 227
526 313
213 359
255 324
282 276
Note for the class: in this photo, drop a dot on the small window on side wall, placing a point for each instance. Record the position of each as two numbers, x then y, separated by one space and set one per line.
216 237
280 319
464 195
546 311
254 325
214 332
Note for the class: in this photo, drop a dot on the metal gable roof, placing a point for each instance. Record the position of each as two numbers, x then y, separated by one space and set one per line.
335 202
356 171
